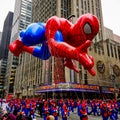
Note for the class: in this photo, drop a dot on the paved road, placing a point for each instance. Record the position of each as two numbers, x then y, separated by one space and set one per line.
74 116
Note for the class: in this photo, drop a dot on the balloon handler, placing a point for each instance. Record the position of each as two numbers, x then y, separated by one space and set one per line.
60 38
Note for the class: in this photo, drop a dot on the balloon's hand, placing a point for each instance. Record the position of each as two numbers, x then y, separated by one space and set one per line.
16 47
83 48
84 59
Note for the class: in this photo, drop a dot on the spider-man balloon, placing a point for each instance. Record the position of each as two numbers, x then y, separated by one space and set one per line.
60 38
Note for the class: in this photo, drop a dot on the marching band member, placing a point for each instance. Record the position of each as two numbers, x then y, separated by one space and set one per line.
45 110
65 112
54 111
83 111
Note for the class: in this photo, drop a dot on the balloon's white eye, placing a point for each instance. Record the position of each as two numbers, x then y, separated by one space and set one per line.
87 29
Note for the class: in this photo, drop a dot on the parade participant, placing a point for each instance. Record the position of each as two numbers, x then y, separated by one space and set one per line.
99 107
9 117
20 116
32 110
28 106
60 104
45 110
104 111
118 102
72 105
24 109
65 112
83 111
96 108
54 111
40 106
79 105
4 104
110 109
0 102
116 109
4 115
17 108
90 107
69 104
50 117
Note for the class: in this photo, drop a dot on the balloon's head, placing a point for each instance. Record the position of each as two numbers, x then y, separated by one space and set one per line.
88 25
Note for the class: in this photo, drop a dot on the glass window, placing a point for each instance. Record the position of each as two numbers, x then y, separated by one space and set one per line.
28 18
108 51
111 47
29 8
115 51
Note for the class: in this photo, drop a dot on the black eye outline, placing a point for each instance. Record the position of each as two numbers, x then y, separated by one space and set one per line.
87 28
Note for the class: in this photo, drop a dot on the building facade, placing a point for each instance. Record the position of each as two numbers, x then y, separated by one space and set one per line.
6 34
21 20
36 73
5 40
0 36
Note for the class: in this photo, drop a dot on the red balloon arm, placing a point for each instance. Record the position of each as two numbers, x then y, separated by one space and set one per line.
17 47
28 49
84 46
86 60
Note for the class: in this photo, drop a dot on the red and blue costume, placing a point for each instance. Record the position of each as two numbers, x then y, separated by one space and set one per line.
104 111
60 38
45 110
65 112
55 111
83 111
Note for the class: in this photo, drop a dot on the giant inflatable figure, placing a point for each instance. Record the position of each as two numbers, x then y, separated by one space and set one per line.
60 38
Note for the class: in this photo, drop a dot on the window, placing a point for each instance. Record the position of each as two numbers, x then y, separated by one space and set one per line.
28 8
115 51
108 51
111 47
119 53
28 18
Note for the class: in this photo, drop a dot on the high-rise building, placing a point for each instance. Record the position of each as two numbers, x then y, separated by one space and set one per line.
36 73
6 34
5 40
21 20
0 39
3 66
0 36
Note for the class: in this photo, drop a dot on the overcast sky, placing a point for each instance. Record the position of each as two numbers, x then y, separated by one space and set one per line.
110 9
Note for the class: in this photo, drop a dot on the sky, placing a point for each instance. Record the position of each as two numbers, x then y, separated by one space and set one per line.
110 10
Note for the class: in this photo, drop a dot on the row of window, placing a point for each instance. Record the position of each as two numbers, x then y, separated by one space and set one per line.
113 50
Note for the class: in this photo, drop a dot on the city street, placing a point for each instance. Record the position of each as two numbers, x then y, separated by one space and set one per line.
74 116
